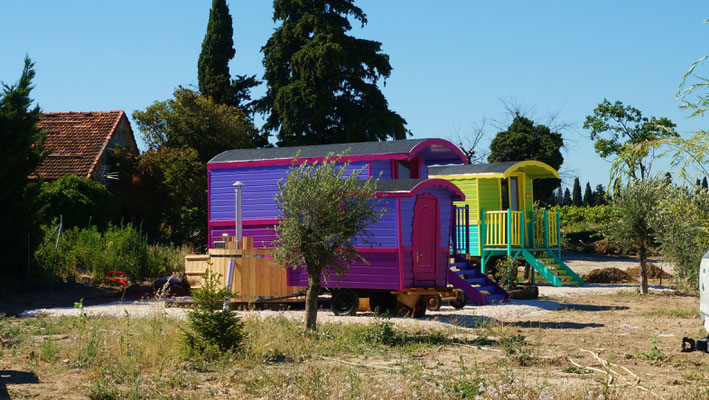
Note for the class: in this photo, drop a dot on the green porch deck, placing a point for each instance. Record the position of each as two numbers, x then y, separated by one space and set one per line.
534 236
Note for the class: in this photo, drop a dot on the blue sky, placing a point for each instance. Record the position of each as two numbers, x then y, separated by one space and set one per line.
455 62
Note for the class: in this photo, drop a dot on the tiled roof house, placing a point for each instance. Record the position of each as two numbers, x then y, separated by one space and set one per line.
79 142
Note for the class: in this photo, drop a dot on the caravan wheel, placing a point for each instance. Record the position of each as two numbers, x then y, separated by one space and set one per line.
345 302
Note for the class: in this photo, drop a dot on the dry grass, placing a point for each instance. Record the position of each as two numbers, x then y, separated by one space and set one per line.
141 357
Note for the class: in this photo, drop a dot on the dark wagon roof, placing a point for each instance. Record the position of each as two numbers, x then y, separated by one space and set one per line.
440 149
535 169
412 186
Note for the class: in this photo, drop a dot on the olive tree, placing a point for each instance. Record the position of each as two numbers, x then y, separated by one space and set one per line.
324 212
632 226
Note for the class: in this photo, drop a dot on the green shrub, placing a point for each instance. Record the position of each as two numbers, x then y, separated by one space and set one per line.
381 331
213 330
586 216
81 202
506 272
122 248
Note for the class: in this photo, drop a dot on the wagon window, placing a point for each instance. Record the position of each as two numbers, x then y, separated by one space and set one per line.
407 169
504 195
404 170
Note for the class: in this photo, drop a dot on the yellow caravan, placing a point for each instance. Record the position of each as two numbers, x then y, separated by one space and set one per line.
497 216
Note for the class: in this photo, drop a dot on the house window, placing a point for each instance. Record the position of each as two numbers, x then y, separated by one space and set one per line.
405 169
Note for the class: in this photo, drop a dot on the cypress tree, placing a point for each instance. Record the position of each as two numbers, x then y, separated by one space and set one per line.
567 198
599 196
705 185
588 195
322 83
21 151
577 200
213 66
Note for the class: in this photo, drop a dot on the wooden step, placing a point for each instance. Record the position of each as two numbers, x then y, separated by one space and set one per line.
476 281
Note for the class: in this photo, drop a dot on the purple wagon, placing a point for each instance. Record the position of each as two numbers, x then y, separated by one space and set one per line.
412 251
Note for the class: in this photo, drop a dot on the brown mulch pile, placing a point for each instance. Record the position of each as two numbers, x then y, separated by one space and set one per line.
653 272
605 248
608 275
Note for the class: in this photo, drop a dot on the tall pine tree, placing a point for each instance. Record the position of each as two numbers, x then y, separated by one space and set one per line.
588 195
599 196
213 66
21 151
576 198
567 198
322 83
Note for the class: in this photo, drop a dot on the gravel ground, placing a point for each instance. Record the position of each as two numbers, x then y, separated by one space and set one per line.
469 316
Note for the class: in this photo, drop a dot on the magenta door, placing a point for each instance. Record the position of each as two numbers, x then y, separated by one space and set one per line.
426 235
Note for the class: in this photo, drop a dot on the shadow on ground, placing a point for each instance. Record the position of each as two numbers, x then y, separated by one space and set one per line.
11 377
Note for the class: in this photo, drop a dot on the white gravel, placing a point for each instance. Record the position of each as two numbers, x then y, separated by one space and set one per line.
469 316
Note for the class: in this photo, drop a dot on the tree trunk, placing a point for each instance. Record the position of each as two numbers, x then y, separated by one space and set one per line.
642 254
311 299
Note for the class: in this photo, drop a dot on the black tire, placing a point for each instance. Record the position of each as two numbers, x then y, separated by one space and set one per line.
459 301
344 302
433 302
383 303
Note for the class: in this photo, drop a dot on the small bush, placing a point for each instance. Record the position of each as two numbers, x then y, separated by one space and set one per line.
213 330
653 353
506 272
516 349
381 331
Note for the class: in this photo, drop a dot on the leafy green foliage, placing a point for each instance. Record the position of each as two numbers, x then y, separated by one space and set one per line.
682 221
616 129
653 353
381 331
506 272
323 212
198 122
21 151
80 201
523 140
598 215
213 65
322 83
122 248
214 330
164 191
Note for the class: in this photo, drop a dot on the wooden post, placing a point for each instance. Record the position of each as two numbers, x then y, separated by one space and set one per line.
508 224
546 230
467 230
532 233
483 232
521 229
558 232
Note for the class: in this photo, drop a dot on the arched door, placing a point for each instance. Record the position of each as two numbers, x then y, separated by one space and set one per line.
425 240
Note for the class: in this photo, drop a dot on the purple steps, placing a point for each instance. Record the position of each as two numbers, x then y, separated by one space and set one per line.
472 282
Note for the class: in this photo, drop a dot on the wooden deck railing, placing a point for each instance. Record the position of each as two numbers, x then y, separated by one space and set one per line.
534 230
503 228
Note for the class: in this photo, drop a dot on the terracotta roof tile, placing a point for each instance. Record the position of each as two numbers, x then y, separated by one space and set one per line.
76 140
